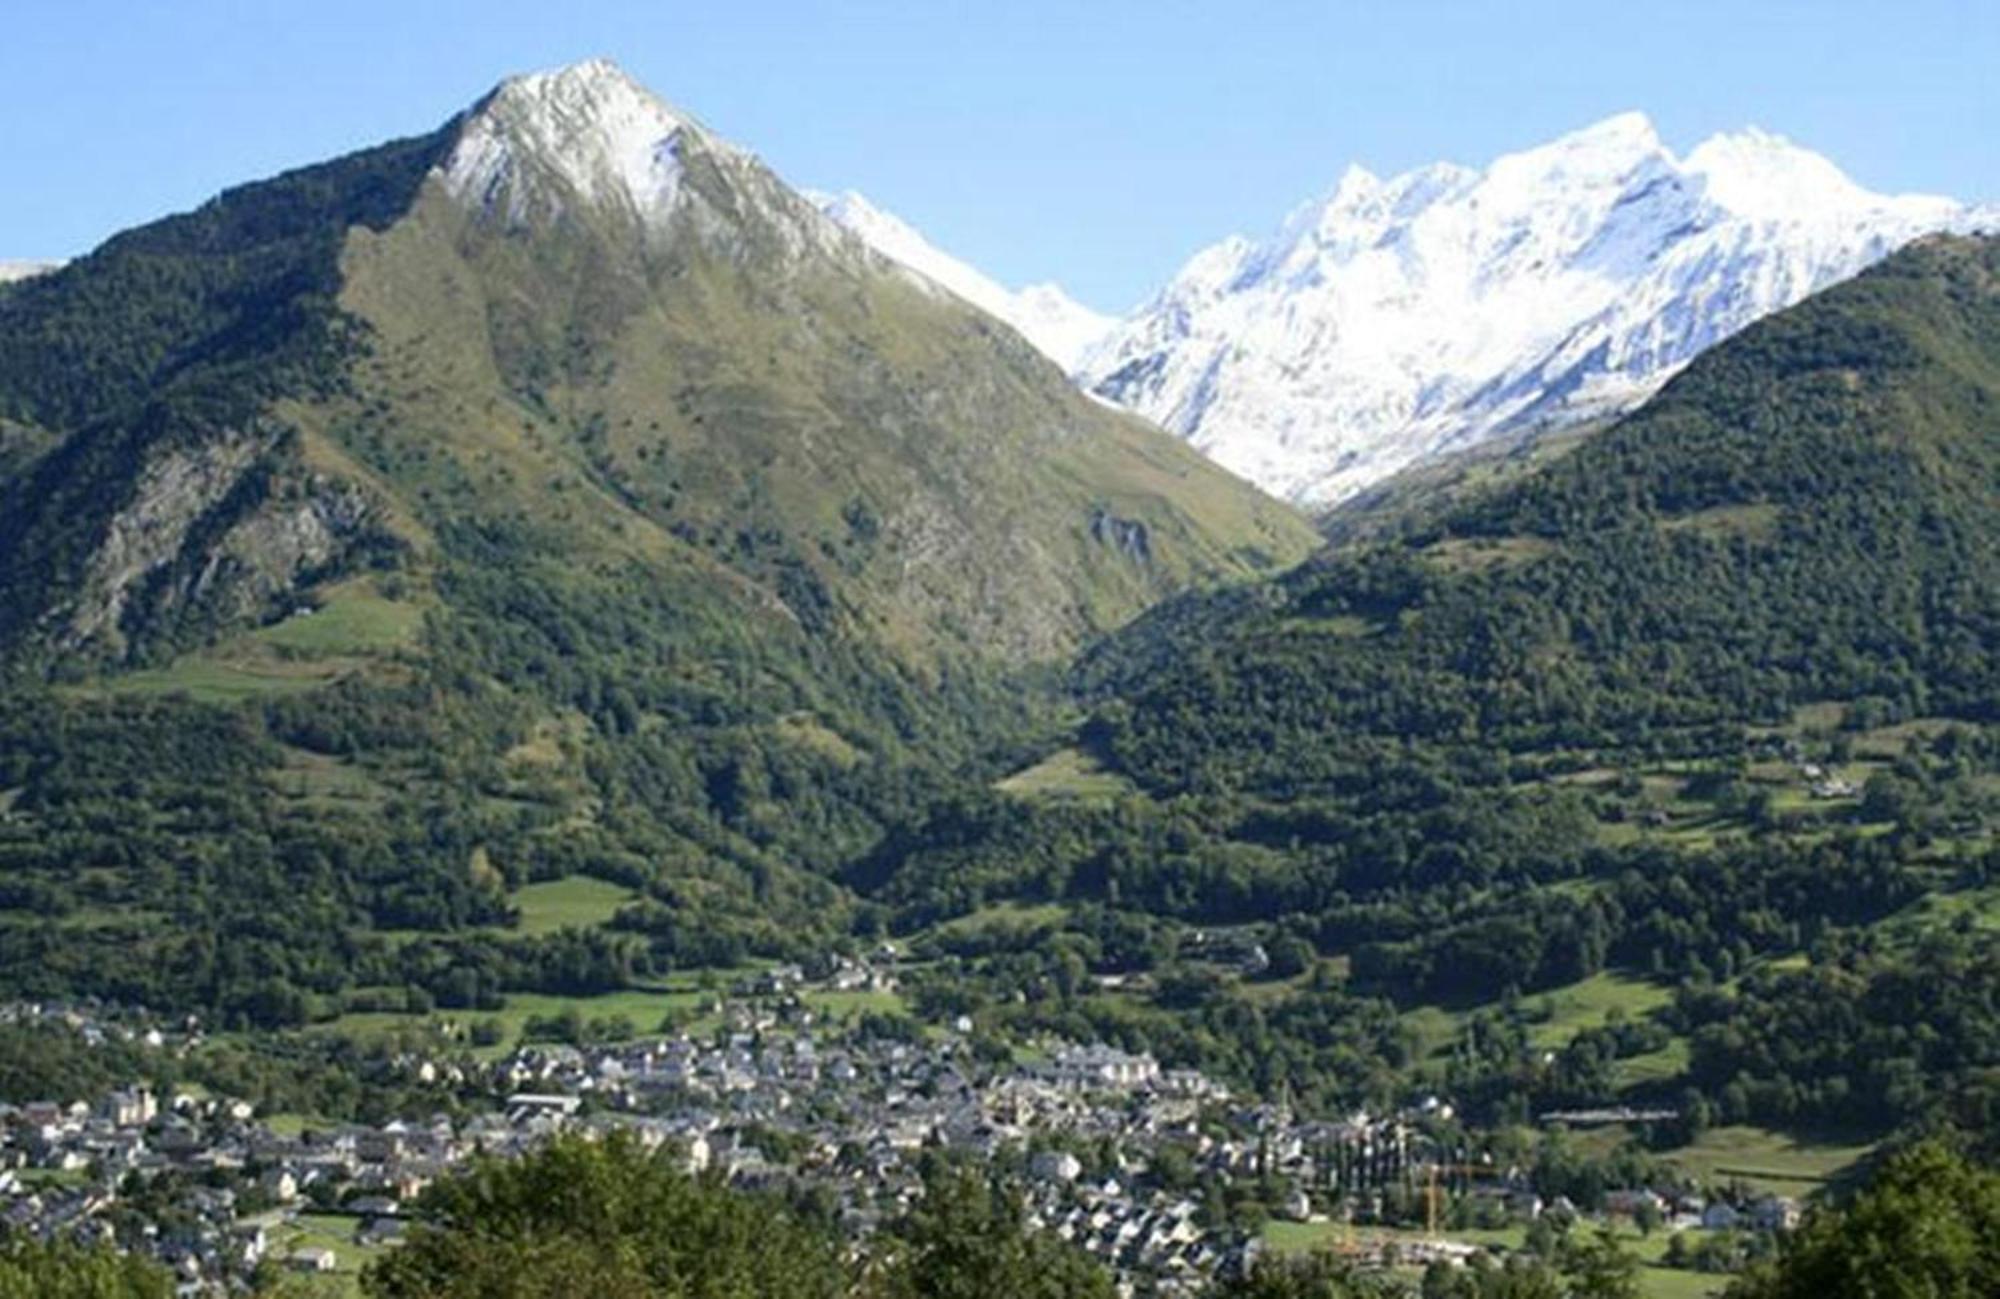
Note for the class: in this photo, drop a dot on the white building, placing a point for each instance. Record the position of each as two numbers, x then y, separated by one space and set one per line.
1095 1067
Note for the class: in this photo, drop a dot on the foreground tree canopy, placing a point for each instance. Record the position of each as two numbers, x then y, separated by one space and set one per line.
603 1221
1927 1227
29 1270
611 1219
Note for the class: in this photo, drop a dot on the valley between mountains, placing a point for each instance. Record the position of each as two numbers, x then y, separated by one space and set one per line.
549 584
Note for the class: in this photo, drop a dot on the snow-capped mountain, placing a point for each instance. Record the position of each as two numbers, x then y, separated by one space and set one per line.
587 140
590 134
587 127
1062 328
1397 319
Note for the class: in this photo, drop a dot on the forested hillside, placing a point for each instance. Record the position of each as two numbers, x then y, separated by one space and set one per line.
385 536
1708 703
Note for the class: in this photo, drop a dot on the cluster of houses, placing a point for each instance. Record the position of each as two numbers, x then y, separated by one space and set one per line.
67 1169
772 1099
1690 1211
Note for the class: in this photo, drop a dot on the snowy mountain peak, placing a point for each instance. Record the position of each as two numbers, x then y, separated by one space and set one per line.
1628 133
588 127
1357 186
897 240
1060 327
1757 174
590 136
581 83
1397 319
1364 198
1601 159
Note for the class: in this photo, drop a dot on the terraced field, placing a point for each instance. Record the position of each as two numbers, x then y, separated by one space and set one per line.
1767 1160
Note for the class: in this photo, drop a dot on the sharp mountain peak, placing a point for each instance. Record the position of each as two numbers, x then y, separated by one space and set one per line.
589 126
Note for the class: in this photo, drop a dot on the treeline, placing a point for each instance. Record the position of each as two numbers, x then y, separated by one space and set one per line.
1665 914
1864 1037
322 1074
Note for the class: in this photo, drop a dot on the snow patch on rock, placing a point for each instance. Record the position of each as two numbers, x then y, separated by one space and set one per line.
1061 328
588 127
23 270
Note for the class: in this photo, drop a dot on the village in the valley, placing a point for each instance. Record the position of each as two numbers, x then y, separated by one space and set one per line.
1113 1152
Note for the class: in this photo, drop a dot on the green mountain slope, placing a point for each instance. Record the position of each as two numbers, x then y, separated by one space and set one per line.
149 494
1714 693
554 492
1808 515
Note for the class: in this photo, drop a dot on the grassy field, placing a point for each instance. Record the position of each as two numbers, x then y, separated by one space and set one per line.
1978 908
1341 624
1662 809
1436 1028
1766 1160
1006 915
1067 773
1724 521
1823 716
321 782
353 618
1670 1061
646 1009
354 626
575 902
324 1231
1655 1281
1585 1005
214 681
843 1005
1482 554
1559 1015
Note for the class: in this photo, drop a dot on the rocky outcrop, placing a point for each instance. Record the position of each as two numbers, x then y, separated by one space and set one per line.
213 532
1128 537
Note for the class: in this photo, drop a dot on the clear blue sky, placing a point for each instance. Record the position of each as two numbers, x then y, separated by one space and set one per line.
1097 142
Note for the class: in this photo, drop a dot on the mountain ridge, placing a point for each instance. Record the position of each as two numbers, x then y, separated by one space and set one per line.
616 221
1395 319
1064 329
